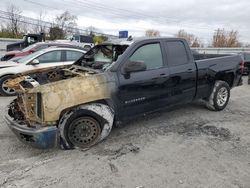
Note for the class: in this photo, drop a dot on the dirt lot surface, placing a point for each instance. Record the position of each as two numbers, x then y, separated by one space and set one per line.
187 147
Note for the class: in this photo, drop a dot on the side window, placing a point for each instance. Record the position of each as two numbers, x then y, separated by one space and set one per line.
73 56
150 54
176 53
50 57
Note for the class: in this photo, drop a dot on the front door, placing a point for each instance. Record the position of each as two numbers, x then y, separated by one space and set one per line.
144 91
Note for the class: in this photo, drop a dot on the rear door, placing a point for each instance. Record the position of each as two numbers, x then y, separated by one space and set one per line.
182 69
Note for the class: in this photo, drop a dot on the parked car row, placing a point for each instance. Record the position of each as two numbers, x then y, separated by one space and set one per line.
40 56
76 106
36 47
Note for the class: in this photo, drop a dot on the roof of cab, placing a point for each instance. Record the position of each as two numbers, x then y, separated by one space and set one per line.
137 39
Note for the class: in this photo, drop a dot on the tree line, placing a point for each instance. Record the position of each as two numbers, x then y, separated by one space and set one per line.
65 24
221 38
61 26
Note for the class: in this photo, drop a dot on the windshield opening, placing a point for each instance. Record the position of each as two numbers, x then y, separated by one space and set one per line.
101 56
28 57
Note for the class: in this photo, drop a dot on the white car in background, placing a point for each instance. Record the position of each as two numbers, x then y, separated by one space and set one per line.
49 57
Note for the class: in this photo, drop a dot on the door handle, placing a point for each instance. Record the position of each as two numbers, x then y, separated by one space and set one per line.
161 75
189 70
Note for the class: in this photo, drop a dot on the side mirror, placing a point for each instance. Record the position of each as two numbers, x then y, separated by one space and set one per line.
134 66
35 62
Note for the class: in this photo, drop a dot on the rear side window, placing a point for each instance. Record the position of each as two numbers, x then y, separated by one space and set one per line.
150 54
176 53
73 56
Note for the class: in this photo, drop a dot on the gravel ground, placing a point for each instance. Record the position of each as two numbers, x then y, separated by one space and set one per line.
187 147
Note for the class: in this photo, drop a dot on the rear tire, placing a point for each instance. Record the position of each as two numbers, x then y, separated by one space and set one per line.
5 91
219 97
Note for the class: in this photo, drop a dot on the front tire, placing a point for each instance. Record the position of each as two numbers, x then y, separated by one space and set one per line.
85 126
219 97
4 90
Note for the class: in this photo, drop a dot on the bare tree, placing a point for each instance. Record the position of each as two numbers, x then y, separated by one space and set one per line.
233 40
191 38
41 26
15 18
152 33
66 22
91 30
247 45
222 38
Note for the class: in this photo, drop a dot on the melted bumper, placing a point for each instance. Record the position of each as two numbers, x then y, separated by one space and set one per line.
42 138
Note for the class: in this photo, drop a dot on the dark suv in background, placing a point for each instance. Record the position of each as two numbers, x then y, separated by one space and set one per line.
246 58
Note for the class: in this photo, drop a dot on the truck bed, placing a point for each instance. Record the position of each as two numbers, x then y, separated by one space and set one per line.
208 56
216 63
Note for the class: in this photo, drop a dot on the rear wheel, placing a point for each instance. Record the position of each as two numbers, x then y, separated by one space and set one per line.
219 97
4 90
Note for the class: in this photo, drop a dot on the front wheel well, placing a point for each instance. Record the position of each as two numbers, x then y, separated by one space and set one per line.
102 101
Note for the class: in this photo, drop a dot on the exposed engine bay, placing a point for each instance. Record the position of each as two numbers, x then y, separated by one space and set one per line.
45 76
27 106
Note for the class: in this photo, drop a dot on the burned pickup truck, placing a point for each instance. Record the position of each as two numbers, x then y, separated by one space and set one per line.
112 83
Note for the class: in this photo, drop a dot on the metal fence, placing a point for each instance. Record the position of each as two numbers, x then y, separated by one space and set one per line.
4 42
221 50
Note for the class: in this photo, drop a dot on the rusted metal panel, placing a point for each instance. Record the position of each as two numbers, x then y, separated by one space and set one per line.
69 93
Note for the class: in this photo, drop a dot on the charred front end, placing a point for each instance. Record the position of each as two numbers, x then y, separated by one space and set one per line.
34 115
25 114
25 118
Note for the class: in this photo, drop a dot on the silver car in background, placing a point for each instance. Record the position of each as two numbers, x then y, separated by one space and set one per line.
46 58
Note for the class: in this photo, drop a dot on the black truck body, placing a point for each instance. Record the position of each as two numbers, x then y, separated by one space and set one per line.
143 76
27 40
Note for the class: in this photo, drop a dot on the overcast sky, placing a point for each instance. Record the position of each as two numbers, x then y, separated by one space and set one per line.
199 17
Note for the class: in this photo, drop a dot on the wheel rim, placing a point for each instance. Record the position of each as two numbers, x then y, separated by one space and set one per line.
6 89
222 96
84 132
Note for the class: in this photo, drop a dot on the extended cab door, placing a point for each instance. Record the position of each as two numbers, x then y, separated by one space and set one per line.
143 91
182 71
